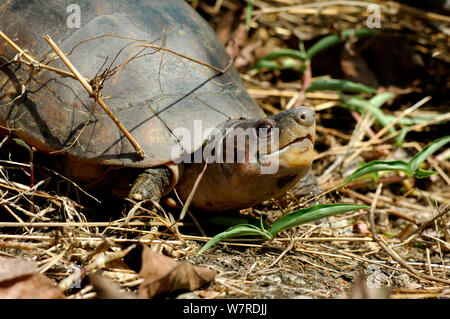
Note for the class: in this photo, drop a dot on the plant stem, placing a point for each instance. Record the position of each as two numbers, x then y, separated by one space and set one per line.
140 152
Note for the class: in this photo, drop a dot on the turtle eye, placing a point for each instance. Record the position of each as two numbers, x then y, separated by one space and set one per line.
264 129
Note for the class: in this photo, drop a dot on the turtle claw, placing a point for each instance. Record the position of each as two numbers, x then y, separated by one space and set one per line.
137 196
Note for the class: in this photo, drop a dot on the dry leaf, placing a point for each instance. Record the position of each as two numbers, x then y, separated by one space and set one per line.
209 294
12 268
19 280
106 289
361 228
164 275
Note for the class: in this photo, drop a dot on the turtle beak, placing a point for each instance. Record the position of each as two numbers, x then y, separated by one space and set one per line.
296 139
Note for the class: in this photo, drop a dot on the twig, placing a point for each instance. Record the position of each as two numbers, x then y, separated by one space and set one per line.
140 152
74 140
303 259
91 239
33 61
300 97
166 220
398 118
162 48
427 223
439 241
383 263
320 5
367 145
192 193
71 182
82 224
318 239
430 270
51 262
417 12
98 263
25 246
441 118
391 252
359 119
9 210
291 245
146 44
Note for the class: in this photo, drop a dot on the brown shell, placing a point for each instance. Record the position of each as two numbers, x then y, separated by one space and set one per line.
153 94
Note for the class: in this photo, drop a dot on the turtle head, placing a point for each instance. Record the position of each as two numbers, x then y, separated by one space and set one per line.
290 142
250 161
277 145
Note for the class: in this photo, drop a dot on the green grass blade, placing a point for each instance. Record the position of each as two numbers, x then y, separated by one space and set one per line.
312 213
333 39
296 56
418 119
415 162
358 104
285 53
379 99
355 103
322 44
23 144
363 32
288 63
375 104
266 64
236 231
301 47
411 168
292 65
377 166
421 173
249 14
301 54
339 85
400 138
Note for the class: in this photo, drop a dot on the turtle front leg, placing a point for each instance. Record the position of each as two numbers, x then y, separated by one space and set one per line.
152 184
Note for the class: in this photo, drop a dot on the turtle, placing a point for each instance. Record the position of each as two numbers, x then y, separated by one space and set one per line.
155 64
